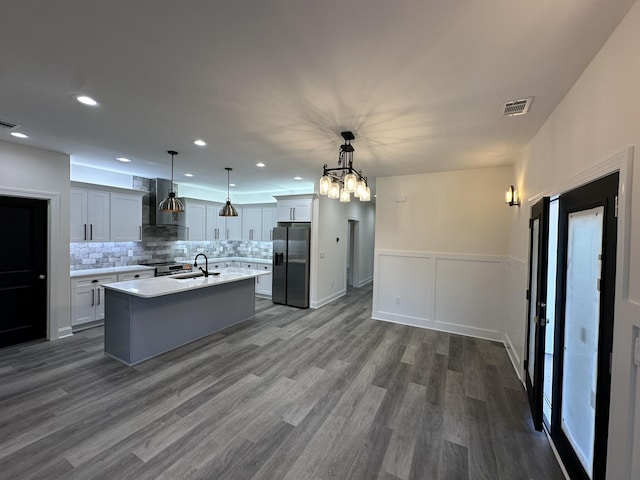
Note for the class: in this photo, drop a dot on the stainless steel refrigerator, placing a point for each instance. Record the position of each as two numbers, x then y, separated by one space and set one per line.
291 264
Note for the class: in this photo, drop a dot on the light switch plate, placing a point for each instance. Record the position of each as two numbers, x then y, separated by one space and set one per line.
636 352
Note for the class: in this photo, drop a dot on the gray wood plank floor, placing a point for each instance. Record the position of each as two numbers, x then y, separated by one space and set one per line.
293 394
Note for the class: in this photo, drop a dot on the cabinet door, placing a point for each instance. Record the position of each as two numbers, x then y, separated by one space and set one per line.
195 220
98 216
285 211
99 302
83 301
302 211
126 218
263 282
215 224
234 226
78 215
268 222
252 224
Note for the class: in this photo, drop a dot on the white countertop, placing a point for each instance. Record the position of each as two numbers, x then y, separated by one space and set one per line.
110 270
159 286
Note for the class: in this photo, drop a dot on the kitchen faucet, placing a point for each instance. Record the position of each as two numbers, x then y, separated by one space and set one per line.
206 264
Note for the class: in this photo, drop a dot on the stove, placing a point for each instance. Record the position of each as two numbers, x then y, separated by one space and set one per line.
170 267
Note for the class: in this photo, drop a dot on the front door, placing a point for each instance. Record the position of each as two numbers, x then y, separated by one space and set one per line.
537 307
587 233
23 270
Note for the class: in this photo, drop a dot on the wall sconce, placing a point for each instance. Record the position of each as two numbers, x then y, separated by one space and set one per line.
511 197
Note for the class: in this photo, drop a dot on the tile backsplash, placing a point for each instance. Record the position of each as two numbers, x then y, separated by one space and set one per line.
87 255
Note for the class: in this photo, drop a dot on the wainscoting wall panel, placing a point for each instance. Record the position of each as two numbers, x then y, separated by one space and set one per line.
455 293
515 312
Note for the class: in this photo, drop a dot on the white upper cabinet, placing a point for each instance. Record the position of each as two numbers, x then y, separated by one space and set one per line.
126 217
89 212
269 216
252 223
216 225
195 219
295 208
103 215
234 226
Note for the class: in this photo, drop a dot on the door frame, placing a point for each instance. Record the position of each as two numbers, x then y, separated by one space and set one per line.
620 458
57 325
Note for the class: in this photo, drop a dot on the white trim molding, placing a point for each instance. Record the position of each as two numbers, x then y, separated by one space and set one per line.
56 326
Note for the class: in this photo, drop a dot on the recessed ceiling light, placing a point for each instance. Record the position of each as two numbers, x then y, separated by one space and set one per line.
297 178
188 174
19 135
87 100
232 184
200 143
123 159
260 164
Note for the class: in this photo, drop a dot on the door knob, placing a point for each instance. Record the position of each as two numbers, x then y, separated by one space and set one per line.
42 277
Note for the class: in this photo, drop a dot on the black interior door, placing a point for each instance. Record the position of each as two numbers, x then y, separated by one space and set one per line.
23 270
537 307
587 235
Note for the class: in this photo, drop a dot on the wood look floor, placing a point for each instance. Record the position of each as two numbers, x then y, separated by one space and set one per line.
292 395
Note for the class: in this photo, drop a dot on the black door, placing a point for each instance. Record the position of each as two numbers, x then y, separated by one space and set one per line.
23 270
587 234
537 307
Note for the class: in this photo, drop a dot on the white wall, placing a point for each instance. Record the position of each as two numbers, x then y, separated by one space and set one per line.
35 173
330 236
440 251
596 121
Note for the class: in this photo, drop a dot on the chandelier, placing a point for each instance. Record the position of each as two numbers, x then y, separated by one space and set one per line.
343 180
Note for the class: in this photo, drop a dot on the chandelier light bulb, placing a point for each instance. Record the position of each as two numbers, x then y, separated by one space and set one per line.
325 185
334 190
350 181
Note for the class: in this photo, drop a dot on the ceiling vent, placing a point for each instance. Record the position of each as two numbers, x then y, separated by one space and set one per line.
517 107
7 125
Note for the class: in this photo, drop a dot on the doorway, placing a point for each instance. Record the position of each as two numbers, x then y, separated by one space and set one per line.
570 321
23 270
587 236
352 253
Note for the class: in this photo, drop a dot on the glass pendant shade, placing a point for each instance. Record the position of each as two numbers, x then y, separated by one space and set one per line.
360 187
345 196
350 181
365 196
171 203
334 190
325 185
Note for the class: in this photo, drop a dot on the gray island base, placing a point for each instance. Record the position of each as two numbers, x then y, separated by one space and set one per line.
138 328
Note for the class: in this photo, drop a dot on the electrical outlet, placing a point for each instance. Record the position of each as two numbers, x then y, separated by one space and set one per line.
397 300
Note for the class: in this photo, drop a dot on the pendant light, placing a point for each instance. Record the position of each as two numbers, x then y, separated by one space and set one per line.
352 180
228 210
171 203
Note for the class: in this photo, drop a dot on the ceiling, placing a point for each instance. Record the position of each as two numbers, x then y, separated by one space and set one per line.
421 84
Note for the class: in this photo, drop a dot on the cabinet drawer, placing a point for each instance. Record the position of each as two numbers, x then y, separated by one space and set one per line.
88 281
135 275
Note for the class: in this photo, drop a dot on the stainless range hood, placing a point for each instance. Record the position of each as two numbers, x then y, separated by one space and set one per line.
159 189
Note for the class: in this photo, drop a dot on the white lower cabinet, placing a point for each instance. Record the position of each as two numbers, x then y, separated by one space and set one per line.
87 298
263 282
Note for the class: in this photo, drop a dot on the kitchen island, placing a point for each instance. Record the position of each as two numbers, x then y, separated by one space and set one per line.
144 318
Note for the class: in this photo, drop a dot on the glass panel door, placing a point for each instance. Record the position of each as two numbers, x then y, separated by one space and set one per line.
585 300
536 316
